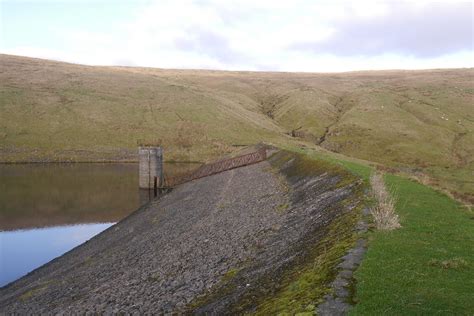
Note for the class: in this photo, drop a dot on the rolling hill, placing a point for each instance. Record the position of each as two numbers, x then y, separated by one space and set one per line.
417 122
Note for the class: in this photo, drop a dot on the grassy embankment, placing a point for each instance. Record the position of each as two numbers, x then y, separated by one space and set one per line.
426 267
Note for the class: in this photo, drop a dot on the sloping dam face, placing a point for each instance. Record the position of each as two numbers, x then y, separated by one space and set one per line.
222 244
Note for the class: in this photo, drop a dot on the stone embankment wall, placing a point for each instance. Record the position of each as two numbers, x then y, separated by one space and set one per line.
219 244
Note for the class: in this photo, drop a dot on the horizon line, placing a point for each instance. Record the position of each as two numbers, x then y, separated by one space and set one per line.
237 71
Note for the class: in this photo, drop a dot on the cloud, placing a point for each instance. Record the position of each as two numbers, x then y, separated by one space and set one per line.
424 31
224 35
300 35
210 44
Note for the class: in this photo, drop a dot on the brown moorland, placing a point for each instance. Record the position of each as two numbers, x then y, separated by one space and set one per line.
417 122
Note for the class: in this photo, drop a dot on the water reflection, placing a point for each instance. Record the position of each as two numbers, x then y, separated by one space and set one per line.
41 195
22 251
54 195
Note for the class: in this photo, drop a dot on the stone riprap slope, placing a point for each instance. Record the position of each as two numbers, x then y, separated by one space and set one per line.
205 247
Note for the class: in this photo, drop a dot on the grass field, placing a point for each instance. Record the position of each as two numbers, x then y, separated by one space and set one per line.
427 266
417 122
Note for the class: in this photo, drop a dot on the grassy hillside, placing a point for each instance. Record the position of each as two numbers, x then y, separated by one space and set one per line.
418 122
56 111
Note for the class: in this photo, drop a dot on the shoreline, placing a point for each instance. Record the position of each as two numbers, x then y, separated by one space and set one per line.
92 161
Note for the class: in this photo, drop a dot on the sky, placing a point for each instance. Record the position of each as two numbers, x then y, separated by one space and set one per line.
264 35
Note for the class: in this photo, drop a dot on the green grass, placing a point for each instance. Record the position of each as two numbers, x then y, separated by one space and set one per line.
427 266
359 168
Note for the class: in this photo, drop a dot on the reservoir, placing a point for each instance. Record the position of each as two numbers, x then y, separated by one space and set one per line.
48 209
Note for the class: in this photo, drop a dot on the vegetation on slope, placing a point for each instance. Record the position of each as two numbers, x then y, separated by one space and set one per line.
425 267
419 122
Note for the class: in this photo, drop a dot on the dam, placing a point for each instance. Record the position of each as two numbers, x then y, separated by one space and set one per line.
219 244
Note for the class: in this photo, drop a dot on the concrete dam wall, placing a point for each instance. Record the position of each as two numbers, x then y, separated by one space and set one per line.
223 244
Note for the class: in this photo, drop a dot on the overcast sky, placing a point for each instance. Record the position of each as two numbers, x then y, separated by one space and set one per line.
306 35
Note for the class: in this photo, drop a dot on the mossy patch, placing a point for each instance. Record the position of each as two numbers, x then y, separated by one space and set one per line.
282 207
305 285
34 291
230 274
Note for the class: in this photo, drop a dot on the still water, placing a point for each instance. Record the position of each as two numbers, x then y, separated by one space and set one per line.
48 209
22 251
